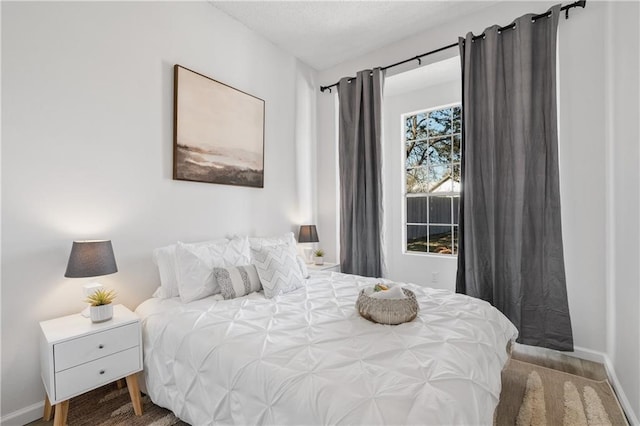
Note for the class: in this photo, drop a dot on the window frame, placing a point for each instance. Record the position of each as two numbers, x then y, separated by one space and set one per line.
406 195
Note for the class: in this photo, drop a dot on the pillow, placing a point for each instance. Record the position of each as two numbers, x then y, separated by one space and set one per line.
278 269
165 260
236 281
288 238
259 242
159 293
195 266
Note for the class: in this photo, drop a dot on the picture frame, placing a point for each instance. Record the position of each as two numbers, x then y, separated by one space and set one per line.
218 132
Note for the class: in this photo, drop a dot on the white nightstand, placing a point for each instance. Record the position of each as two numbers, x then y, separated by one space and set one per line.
77 355
333 267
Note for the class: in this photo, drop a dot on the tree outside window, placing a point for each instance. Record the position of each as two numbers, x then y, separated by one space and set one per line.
432 179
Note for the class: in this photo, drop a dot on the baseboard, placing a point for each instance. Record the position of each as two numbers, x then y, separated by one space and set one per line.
624 401
588 354
602 358
24 415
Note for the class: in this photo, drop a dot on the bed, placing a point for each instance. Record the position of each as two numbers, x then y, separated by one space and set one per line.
307 357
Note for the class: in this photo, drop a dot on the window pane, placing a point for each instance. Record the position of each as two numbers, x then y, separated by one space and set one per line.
416 154
440 239
455 240
440 179
440 151
417 238
456 148
417 180
456 207
457 119
433 149
455 183
440 122
417 209
415 127
439 209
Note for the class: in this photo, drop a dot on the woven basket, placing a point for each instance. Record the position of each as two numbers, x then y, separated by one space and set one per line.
388 311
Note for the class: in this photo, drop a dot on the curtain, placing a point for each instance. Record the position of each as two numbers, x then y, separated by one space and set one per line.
360 163
510 251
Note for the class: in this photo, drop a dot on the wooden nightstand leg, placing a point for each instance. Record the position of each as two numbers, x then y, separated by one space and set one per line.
60 417
134 393
120 383
48 409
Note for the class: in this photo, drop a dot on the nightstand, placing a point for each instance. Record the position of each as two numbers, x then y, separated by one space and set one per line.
332 267
77 355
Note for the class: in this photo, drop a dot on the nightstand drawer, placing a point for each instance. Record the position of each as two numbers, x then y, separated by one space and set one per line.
93 346
88 376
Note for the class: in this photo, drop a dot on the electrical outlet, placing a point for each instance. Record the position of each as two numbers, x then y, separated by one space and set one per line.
434 277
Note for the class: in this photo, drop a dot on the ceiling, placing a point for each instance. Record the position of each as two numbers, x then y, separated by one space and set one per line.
326 33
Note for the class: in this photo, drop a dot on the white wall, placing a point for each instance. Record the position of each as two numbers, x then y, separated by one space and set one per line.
87 152
597 155
411 267
623 177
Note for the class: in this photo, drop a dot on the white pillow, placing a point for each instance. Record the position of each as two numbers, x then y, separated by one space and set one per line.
259 242
237 281
195 266
289 239
278 269
165 259
159 293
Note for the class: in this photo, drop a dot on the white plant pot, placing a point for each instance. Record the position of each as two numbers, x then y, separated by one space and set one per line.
318 260
101 313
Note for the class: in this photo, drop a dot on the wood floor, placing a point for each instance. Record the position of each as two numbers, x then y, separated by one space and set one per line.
559 361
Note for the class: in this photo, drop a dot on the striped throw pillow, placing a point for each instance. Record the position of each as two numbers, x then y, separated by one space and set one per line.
237 281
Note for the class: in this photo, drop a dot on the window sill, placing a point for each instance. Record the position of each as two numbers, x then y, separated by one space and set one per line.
434 255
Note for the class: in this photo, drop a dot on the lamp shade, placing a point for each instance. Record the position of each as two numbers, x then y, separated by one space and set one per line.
91 259
308 234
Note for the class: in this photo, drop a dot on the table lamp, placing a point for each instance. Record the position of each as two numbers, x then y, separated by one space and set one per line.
308 234
91 259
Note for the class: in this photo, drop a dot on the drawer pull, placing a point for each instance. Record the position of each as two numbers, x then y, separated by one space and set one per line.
100 346
101 371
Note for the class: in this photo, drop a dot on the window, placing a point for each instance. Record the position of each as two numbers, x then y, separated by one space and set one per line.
432 179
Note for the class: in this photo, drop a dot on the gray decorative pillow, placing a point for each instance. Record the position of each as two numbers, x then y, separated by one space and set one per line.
278 269
236 281
258 242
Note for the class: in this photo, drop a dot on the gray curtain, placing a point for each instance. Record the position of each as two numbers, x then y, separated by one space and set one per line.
510 252
360 150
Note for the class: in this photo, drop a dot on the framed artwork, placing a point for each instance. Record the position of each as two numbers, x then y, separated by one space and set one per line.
218 132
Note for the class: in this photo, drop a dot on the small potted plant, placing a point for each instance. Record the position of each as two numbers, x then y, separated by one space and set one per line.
101 308
318 256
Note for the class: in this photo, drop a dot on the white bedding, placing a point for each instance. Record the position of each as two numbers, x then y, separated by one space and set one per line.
307 357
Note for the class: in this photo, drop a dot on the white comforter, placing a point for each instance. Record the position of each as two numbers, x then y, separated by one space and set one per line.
307 357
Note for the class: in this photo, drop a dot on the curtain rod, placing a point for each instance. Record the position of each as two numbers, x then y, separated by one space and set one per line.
579 3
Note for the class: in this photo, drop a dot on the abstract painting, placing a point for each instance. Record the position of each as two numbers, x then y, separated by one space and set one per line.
218 134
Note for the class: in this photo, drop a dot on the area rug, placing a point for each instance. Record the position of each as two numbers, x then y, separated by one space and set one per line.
110 406
538 396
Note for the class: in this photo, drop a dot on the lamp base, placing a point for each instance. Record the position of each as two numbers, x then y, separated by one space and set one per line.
307 254
87 290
